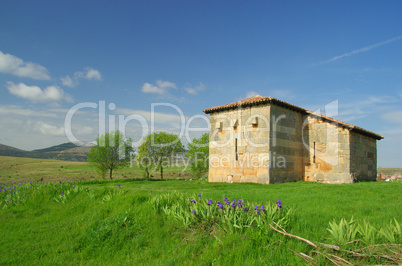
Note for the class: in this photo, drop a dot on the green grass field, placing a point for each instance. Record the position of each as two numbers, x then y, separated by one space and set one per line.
13 169
100 222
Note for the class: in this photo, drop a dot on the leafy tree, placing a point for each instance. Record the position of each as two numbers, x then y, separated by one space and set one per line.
111 152
157 149
198 154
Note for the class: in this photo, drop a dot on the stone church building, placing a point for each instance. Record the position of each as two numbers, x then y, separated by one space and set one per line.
265 140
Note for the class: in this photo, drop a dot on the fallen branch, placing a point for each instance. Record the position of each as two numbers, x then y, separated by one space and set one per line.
305 257
294 236
333 247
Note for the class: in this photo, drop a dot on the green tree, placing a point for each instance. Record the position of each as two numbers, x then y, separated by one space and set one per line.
111 152
157 149
198 155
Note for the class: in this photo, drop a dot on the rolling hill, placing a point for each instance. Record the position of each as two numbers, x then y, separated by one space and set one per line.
66 152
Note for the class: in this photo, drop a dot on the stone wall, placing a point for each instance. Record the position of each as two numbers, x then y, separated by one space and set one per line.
272 144
239 145
328 151
363 151
286 145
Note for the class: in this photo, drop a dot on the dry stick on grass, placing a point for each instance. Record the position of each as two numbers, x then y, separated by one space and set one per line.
305 257
341 259
379 245
334 262
353 253
294 236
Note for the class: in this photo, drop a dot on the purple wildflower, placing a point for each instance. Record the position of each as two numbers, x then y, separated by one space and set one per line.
60 182
150 192
226 199
256 209
199 195
62 193
194 212
233 203
246 209
279 204
118 185
220 205
209 202
193 200
262 208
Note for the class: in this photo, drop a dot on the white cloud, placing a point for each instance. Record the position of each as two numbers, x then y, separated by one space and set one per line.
68 81
88 73
161 87
16 66
165 84
362 107
393 117
251 94
361 50
17 110
48 129
36 94
93 74
195 90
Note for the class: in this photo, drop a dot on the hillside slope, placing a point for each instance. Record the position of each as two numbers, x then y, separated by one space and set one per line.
66 152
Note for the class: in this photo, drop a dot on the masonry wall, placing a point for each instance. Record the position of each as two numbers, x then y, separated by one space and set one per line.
327 152
239 145
286 145
363 157
272 144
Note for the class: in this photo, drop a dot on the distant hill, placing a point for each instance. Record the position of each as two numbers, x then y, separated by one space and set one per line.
66 152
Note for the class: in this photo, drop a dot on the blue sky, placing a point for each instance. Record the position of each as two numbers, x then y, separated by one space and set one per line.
194 55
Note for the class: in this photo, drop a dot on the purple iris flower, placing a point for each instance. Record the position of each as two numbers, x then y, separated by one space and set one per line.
279 204
226 199
209 202
193 200
246 209
199 195
262 208
194 212
220 206
256 209
118 185
62 193
233 203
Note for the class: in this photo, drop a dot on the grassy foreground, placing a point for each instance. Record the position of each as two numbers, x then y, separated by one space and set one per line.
102 222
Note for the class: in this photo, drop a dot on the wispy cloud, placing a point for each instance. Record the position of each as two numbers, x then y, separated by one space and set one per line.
161 87
251 94
88 73
364 107
16 66
361 50
36 94
195 90
393 117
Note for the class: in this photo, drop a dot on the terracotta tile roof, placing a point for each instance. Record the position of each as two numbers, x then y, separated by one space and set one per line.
257 100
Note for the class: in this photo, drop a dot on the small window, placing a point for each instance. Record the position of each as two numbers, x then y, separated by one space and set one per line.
236 155
220 127
254 123
314 153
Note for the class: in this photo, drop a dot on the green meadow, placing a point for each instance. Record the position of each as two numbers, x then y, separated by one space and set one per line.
127 220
